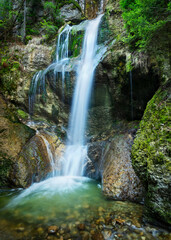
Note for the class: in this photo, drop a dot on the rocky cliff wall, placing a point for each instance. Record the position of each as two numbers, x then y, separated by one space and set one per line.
151 155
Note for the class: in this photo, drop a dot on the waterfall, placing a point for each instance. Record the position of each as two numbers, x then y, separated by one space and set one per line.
50 154
101 6
33 91
62 45
76 149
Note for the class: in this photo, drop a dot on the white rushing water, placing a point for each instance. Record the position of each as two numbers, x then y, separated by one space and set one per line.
91 54
76 149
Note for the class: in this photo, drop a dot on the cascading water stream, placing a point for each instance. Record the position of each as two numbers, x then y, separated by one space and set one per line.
61 60
62 45
101 6
76 149
33 90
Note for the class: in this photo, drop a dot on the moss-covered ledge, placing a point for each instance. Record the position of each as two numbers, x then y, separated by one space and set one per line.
151 155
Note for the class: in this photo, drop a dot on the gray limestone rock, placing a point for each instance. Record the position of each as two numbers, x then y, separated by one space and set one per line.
71 13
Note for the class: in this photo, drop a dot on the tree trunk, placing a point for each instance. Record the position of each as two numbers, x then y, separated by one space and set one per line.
24 22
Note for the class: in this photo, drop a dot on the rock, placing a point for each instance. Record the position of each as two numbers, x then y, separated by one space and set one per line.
23 154
33 163
119 179
97 235
52 229
150 156
81 227
20 229
13 137
85 236
34 56
100 115
100 221
107 234
94 160
119 221
40 230
71 13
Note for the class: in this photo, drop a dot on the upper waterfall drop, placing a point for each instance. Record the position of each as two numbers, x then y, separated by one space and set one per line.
76 149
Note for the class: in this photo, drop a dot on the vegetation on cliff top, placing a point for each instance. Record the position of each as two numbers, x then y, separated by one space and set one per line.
143 19
12 14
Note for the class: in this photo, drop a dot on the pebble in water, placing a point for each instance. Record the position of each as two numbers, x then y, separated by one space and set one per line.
52 229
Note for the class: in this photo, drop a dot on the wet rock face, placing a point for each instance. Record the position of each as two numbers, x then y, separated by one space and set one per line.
151 155
119 179
113 71
94 164
32 163
23 155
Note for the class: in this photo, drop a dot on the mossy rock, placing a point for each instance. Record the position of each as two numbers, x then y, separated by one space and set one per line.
22 114
76 5
151 155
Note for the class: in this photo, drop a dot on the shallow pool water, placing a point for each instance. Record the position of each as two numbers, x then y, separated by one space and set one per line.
70 208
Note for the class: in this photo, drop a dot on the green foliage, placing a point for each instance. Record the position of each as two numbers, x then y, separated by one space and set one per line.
22 114
49 5
9 70
49 28
5 15
143 18
75 43
52 20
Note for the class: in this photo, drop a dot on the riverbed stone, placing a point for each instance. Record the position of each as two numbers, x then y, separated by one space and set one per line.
53 229
97 235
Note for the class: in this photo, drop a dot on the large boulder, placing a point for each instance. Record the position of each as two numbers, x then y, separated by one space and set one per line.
151 155
71 12
34 56
119 179
109 161
24 155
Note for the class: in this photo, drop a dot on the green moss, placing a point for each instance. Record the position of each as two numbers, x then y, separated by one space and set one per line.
151 153
22 114
9 81
75 43
9 70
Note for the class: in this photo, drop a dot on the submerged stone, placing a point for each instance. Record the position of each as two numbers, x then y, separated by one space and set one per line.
53 229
